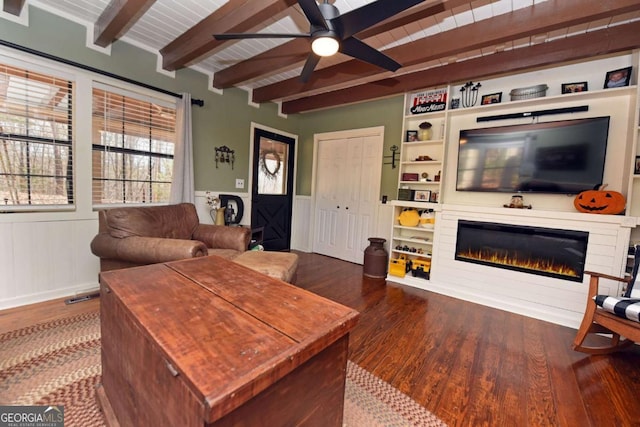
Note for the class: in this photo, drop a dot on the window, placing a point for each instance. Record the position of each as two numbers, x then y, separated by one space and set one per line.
133 146
272 173
36 144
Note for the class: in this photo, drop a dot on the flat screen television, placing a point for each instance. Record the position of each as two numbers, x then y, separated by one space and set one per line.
564 157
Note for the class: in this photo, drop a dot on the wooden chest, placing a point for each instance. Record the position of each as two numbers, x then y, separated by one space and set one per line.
208 342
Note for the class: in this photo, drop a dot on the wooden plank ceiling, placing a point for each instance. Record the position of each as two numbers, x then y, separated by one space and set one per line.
437 42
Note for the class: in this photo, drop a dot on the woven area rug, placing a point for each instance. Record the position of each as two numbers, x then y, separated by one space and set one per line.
58 363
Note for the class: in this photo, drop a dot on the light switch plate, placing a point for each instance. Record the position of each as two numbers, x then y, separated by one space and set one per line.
239 183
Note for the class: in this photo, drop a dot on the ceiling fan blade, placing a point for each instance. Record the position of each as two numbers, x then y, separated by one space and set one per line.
362 51
309 66
313 13
366 16
234 36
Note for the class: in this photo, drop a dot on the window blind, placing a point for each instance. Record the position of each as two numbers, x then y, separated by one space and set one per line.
36 139
133 147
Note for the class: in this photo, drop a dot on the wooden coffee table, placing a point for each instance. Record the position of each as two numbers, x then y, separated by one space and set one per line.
208 342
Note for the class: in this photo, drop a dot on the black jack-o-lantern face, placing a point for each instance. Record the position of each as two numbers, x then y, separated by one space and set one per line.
600 202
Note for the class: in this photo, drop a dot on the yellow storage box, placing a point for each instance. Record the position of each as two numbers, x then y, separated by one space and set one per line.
399 266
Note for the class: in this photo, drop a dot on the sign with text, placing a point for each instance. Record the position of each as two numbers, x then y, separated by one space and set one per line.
32 416
428 101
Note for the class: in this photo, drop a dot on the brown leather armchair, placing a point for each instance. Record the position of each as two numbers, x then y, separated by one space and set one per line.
133 236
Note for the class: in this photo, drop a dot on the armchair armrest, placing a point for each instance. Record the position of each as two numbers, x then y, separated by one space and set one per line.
146 250
223 237
594 281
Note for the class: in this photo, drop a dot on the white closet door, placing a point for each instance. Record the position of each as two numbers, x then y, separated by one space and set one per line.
330 165
368 194
348 172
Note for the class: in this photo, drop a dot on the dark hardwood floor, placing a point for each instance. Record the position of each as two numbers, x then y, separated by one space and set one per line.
476 366
468 364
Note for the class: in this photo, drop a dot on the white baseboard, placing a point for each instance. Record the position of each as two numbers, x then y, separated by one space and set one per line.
49 295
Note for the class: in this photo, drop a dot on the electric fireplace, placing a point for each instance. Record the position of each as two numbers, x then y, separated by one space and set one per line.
537 250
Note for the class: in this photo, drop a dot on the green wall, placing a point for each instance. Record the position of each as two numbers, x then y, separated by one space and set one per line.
225 118
384 112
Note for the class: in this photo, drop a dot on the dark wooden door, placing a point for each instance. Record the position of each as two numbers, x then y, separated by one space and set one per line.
272 188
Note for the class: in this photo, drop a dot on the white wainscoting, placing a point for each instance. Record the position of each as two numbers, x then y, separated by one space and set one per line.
302 222
551 299
43 260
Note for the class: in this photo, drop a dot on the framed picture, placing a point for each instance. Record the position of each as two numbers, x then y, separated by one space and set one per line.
411 135
422 195
617 78
433 197
636 168
492 98
575 87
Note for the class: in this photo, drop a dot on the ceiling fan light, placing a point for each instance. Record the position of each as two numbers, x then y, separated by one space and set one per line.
325 46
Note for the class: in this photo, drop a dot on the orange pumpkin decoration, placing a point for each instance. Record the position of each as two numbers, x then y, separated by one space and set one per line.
600 201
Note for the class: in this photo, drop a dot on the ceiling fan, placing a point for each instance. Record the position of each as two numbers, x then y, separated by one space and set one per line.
332 32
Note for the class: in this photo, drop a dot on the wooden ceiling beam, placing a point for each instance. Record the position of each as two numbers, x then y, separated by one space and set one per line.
526 22
596 43
289 54
235 16
13 7
117 18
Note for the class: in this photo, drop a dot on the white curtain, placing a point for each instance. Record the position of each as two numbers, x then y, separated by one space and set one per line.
182 188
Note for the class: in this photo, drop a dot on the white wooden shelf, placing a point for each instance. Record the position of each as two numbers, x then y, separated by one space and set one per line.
421 162
404 227
410 240
420 183
427 142
423 255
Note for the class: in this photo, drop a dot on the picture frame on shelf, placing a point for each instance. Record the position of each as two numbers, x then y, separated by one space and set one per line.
574 87
617 78
422 196
411 136
636 167
433 198
492 98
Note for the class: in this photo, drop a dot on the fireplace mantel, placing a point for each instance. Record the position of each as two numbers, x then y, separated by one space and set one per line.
621 220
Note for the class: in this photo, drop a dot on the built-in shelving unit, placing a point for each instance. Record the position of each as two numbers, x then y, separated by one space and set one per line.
428 167
414 244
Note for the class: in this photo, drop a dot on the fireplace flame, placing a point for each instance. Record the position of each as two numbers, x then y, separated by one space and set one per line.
491 257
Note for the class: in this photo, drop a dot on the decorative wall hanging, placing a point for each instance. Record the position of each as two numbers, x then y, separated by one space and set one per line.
225 155
469 94
270 171
394 150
